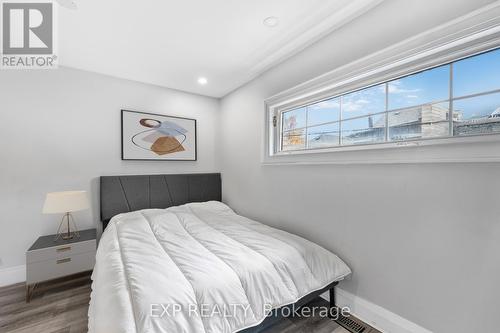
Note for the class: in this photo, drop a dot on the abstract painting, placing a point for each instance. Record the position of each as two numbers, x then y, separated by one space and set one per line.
148 136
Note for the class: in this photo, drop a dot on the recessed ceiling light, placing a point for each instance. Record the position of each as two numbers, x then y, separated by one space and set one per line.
202 80
271 21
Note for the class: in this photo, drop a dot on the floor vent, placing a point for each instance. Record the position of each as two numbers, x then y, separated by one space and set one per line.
351 325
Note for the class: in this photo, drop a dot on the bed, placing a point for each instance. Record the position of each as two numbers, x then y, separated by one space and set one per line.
174 258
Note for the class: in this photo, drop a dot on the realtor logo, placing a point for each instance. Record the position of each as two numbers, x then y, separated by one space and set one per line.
28 35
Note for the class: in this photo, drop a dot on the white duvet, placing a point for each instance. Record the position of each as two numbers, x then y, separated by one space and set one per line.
200 267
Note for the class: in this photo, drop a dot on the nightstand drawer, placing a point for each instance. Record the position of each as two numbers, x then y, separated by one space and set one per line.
59 267
60 251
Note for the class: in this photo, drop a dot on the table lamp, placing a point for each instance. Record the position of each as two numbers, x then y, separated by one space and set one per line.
66 203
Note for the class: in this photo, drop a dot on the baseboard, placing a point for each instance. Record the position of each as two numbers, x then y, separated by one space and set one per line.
374 315
12 275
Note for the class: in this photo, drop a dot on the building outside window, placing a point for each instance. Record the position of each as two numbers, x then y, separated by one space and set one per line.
457 99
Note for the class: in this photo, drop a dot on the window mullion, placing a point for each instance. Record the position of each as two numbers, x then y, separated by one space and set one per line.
450 111
307 128
279 129
386 112
341 98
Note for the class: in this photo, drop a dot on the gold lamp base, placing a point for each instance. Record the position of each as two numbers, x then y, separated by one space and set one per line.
68 234
65 236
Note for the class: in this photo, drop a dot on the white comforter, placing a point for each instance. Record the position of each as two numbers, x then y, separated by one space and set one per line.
200 267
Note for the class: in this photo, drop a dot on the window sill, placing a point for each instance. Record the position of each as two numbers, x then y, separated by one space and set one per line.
474 149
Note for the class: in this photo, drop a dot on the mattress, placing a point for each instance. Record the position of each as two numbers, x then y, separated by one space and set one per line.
200 267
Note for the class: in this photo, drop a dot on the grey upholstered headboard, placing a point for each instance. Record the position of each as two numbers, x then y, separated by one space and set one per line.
121 194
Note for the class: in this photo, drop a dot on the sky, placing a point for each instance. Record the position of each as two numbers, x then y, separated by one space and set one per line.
473 75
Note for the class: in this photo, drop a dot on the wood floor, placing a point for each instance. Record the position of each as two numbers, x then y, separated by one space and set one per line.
60 306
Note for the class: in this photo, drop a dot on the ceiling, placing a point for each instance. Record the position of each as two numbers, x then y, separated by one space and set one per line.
173 43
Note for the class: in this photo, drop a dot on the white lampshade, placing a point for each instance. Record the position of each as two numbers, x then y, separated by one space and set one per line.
65 202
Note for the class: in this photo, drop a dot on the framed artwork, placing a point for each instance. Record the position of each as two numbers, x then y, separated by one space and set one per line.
148 136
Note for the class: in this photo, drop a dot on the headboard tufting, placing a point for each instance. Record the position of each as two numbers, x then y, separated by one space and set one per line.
122 194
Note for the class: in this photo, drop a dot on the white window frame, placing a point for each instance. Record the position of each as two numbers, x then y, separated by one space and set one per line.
475 33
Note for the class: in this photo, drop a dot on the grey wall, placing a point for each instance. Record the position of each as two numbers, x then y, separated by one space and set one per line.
60 130
422 239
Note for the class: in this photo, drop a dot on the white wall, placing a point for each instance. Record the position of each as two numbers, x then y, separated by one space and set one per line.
60 130
422 239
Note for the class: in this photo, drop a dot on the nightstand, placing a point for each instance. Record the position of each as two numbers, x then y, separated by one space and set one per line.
47 259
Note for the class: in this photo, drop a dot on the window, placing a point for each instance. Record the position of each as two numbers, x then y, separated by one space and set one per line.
458 99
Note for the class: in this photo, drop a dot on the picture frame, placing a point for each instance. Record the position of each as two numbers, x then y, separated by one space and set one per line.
157 137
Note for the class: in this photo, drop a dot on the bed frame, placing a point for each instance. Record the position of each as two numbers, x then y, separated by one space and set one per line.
122 194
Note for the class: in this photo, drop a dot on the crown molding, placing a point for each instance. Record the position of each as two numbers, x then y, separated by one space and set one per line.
472 33
324 21
316 27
